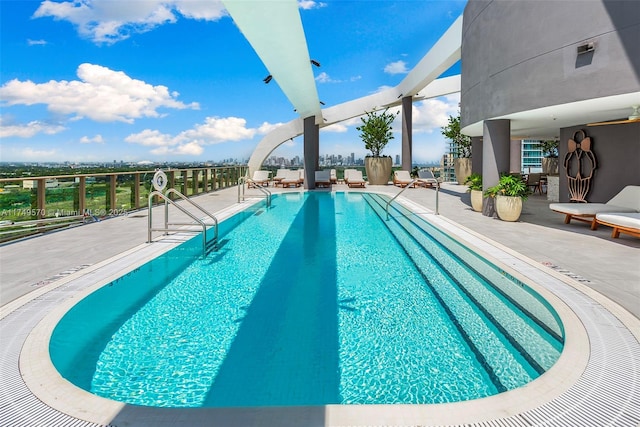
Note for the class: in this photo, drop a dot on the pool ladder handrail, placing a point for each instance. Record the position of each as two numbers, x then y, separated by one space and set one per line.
244 179
386 207
167 202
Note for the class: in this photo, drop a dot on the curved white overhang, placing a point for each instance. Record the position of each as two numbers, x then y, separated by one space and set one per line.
420 84
546 122
274 30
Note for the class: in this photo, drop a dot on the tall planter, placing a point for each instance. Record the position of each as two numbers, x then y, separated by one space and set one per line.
550 165
508 208
378 170
462 168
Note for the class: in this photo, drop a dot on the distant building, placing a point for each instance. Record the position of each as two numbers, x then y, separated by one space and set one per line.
530 156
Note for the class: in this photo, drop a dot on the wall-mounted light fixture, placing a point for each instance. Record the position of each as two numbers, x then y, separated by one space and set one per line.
586 48
267 79
314 62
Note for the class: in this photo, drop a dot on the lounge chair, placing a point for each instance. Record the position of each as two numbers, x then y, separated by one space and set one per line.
355 179
333 176
628 223
533 182
259 178
323 179
279 175
626 201
402 178
348 172
291 178
301 175
426 178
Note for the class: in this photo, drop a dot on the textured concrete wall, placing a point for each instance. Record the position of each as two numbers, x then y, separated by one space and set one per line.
617 152
520 55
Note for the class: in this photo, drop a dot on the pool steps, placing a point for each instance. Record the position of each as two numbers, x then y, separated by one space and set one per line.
479 314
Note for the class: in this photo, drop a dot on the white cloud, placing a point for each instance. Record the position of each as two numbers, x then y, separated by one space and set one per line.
214 130
28 130
310 4
109 21
36 42
98 139
398 67
188 149
101 94
432 114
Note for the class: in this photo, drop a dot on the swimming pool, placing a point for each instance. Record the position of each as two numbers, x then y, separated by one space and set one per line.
314 301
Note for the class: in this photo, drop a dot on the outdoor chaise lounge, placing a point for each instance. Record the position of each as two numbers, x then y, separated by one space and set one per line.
348 172
323 179
628 223
402 178
280 174
426 178
334 176
355 179
290 178
259 178
626 201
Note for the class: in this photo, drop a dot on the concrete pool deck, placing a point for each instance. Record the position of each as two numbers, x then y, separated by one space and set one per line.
589 260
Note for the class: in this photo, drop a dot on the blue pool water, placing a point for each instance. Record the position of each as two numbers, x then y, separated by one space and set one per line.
314 301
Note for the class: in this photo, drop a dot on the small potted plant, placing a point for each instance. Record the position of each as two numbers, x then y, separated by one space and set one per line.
474 182
375 132
509 194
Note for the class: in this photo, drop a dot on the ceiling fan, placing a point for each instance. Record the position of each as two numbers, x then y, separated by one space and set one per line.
634 117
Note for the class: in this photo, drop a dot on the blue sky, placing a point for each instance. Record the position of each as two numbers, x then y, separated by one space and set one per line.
161 80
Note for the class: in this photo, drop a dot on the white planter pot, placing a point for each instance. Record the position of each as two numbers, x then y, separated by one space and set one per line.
476 200
462 169
508 208
378 170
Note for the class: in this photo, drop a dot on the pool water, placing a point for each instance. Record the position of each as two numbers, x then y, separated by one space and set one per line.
316 300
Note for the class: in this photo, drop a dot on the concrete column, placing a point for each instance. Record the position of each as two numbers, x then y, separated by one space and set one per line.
515 165
407 132
496 148
311 151
476 155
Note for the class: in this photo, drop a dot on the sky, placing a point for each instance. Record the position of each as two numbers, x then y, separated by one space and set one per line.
160 80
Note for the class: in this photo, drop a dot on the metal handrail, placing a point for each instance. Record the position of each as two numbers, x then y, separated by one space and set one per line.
244 179
386 207
166 228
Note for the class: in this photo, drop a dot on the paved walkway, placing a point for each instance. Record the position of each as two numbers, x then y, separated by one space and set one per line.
609 266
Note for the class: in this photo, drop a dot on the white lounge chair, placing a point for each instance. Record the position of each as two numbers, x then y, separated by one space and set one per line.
334 176
426 178
281 173
259 178
355 179
402 178
291 178
626 201
348 172
628 223
323 179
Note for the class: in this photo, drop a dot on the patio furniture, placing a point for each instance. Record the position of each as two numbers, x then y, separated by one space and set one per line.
626 201
402 178
628 223
323 178
355 179
426 178
259 178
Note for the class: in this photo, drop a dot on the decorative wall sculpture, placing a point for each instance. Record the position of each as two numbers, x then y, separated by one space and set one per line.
580 163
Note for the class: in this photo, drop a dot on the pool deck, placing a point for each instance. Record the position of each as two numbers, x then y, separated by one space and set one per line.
43 272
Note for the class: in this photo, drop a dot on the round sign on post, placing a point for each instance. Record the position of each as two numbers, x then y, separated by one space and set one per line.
159 180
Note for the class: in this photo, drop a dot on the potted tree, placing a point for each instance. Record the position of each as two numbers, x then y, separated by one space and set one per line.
549 156
474 182
462 147
509 194
375 132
